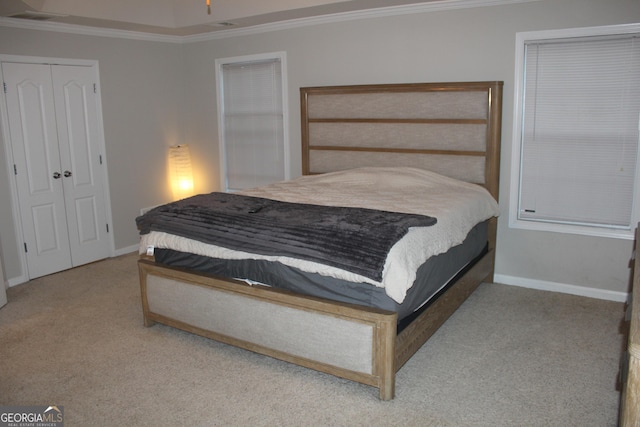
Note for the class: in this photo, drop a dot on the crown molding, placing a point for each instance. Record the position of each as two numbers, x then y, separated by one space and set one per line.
411 9
432 6
87 31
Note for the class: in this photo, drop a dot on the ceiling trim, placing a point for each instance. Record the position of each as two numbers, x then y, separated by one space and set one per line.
87 31
433 6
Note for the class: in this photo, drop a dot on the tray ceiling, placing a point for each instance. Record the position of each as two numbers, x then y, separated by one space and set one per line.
184 17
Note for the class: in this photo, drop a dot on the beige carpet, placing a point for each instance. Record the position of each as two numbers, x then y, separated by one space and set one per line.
508 357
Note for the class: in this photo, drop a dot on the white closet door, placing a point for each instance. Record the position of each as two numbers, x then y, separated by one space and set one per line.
56 138
79 136
36 155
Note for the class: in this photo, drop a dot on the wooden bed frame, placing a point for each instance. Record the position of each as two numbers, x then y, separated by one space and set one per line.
630 397
451 128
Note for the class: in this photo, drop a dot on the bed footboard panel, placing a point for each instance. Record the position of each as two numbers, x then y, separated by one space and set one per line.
334 338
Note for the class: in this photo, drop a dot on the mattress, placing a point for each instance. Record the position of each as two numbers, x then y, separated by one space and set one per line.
432 276
458 207
357 240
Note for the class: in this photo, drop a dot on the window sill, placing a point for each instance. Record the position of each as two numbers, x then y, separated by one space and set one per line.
625 234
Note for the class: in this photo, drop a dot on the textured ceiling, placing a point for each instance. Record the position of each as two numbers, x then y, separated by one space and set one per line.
183 17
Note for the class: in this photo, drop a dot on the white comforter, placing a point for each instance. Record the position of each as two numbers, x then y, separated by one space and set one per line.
458 207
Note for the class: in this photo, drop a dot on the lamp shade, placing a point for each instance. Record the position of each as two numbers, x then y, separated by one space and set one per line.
181 175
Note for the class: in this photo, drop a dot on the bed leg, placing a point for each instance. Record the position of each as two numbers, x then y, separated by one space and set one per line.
388 388
148 322
387 358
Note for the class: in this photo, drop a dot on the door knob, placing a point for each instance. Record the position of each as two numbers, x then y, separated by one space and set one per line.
56 175
67 174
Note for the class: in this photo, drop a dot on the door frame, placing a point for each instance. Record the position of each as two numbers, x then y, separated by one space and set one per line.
4 127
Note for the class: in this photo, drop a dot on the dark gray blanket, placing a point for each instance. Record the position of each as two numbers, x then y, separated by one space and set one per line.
352 239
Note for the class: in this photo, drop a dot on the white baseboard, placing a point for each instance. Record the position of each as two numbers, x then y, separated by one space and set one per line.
127 250
561 287
14 281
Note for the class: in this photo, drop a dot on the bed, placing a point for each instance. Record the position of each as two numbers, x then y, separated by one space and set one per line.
399 133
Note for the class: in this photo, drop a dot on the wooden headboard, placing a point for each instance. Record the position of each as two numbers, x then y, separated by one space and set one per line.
449 128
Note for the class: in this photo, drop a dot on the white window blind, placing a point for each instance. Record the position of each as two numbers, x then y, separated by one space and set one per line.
579 141
253 123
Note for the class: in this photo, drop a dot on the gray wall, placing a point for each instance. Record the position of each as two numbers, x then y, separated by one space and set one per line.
154 93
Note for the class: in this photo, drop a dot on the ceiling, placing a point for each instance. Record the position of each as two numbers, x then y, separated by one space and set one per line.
183 17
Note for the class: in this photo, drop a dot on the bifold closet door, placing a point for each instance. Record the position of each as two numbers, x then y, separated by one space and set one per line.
52 125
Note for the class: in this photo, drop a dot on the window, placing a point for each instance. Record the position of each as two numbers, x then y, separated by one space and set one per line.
576 131
253 125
